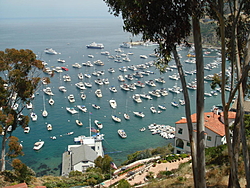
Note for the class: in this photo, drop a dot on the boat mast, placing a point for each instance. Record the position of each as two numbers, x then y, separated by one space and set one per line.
90 124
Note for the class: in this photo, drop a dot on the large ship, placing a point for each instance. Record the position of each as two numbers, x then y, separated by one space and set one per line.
95 45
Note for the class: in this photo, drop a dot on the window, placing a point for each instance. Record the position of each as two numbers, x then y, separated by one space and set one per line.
180 131
179 143
188 144
209 138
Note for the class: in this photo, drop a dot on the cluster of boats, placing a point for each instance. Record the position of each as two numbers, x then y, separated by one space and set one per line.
166 131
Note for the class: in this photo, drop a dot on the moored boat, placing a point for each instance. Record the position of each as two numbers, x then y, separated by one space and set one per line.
139 114
78 122
96 106
82 108
26 130
116 119
122 133
49 127
113 103
98 124
38 145
126 116
71 110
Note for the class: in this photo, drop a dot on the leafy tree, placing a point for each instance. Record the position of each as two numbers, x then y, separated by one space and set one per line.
233 28
19 70
168 22
103 163
123 184
23 173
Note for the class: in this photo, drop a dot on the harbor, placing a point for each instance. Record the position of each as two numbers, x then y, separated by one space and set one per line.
141 79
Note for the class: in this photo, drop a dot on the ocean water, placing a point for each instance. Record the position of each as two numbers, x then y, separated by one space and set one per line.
69 37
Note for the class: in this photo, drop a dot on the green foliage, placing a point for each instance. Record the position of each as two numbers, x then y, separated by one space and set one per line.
247 125
123 184
103 163
23 173
216 155
19 79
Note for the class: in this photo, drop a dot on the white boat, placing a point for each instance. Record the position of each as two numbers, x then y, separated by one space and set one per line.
146 96
98 93
79 123
162 107
175 89
95 73
142 129
80 85
80 76
122 133
77 65
137 98
91 56
120 78
113 103
50 51
143 56
33 116
125 87
87 84
111 70
174 77
51 101
98 124
61 60
66 78
49 127
126 116
98 62
182 102
38 145
106 81
129 77
95 45
82 108
96 106
140 84
26 130
48 91
154 93
113 89
153 109
99 82
150 83
45 113
163 91
29 105
71 110
139 114
175 104
71 98
125 45
62 89
116 119
87 75
83 96
160 80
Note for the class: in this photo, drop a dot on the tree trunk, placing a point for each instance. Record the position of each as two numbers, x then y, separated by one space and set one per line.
188 116
199 103
233 176
2 167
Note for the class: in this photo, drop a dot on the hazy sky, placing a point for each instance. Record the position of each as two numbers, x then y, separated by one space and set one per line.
53 8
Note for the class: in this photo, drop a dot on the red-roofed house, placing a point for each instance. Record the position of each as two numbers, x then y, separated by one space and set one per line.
214 130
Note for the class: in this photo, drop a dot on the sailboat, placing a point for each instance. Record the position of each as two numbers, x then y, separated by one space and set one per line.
51 101
125 115
44 113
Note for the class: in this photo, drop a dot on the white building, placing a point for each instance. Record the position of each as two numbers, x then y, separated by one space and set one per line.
214 130
80 157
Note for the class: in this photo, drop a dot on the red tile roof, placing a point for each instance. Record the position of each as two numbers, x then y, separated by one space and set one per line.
211 121
21 185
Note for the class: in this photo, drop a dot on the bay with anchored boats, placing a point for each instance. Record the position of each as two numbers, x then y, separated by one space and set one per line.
69 37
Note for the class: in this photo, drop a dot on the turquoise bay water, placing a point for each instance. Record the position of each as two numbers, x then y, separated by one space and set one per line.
69 37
